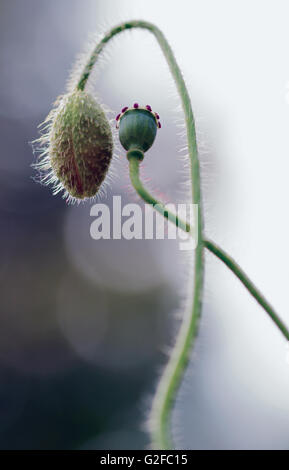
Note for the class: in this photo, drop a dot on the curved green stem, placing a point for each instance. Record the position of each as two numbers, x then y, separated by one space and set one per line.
149 199
171 378
242 276
211 246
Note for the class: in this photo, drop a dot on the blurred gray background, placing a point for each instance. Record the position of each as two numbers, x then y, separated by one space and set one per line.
85 325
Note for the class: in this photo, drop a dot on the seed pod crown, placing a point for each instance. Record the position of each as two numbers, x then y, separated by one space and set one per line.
137 127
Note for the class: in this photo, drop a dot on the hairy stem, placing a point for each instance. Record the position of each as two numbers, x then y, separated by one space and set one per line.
211 246
148 198
242 276
171 378
170 381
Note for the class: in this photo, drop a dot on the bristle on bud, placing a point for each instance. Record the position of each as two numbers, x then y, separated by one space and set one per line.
79 146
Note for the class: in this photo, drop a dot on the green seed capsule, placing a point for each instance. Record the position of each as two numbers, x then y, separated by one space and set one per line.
80 145
137 129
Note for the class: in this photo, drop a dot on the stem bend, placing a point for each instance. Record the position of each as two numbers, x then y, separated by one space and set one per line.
171 378
173 373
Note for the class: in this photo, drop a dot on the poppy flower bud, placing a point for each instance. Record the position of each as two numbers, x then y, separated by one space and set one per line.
137 127
80 145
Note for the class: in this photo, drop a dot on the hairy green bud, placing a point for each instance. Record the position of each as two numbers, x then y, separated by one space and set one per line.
80 146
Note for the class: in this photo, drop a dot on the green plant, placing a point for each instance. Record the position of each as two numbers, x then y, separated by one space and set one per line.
130 122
